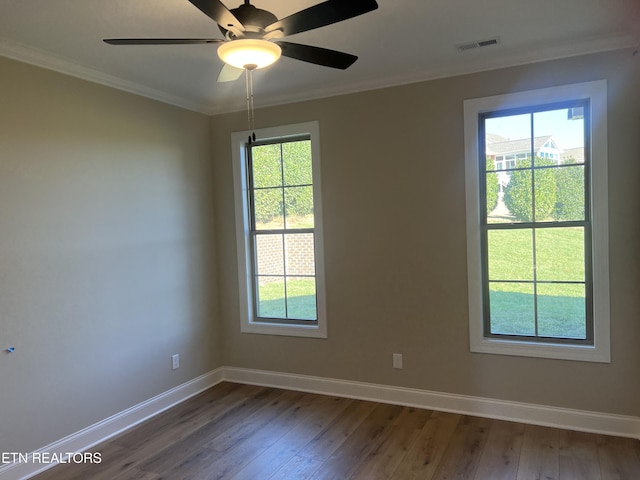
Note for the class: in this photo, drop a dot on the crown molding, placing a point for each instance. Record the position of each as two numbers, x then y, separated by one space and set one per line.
470 62
41 58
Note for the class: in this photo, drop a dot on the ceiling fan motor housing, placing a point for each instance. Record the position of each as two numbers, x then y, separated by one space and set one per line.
254 20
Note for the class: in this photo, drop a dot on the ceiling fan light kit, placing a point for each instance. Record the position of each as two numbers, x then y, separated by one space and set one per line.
252 38
249 53
250 29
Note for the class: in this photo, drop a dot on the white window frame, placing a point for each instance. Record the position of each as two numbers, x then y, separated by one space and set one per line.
249 324
596 92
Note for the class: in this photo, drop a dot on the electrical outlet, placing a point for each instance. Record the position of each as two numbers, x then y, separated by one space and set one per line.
175 361
397 360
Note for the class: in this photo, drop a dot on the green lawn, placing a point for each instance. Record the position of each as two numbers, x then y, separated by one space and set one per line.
559 257
300 296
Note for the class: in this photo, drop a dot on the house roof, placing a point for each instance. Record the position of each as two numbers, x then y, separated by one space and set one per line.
521 145
576 153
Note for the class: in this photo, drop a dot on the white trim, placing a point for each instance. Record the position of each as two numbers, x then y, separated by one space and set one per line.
103 430
597 92
580 420
245 289
40 58
472 63
571 419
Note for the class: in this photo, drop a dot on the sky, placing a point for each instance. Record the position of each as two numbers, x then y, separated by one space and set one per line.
568 133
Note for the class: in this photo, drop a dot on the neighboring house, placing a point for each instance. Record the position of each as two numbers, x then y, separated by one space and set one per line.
505 152
576 154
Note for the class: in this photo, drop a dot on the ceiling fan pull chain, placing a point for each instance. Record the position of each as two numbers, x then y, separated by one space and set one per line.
250 114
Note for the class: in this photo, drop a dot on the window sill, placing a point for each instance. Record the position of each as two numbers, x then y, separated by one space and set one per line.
584 353
270 328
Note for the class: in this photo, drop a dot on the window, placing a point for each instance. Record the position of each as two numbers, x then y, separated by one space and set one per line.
279 231
538 244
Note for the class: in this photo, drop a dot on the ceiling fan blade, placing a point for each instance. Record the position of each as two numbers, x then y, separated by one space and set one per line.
229 73
326 13
159 41
216 10
317 55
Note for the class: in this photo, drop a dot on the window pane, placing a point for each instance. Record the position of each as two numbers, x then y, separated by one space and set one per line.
512 310
267 167
300 253
297 163
268 208
560 254
496 210
271 298
570 189
269 255
545 190
508 136
562 310
518 198
560 134
510 254
299 207
301 298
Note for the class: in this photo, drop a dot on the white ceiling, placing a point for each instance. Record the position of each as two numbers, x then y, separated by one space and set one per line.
403 41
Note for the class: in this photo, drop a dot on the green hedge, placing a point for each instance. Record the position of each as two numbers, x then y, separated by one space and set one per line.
282 167
559 191
492 186
518 193
569 193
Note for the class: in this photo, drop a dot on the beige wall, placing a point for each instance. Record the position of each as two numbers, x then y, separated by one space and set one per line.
106 252
394 216
110 260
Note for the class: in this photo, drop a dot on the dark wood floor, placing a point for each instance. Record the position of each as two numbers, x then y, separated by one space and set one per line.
234 431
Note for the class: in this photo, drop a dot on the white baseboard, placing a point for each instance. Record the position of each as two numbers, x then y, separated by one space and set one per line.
97 433
83 440
580 420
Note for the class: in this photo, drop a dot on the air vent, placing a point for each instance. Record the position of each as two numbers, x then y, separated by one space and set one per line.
463 47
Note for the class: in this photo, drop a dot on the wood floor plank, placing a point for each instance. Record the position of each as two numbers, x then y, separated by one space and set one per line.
501 452
223 455
539 457
158 434
114 462
239 453
578 456
254 425
186 417
424 456
321 411
242 432
463 452
334 435
165 459
203 464
384 460
298 468
369 434
618 458
135 474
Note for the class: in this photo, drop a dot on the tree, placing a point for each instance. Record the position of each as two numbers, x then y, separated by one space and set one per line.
569 192
282 178
518 194
492 186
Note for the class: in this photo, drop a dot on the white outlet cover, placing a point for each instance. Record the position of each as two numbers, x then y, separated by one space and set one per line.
397 360
175 361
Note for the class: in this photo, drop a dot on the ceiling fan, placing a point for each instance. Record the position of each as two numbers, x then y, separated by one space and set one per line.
252 36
